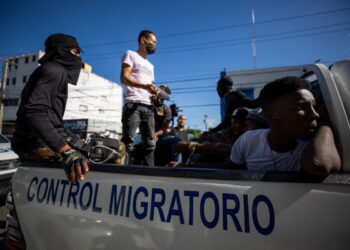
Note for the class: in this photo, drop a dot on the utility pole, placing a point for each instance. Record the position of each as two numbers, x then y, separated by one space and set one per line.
254 40
205 122
2 91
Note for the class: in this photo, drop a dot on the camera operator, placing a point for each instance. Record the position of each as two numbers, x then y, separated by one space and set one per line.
162 119
162 113
39 134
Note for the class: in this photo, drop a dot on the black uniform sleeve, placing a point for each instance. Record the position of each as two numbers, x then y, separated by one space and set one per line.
239 99
40 104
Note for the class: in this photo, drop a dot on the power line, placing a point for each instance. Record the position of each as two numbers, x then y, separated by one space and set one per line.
224 27
257 40
199 105
261 36
230 42
191 80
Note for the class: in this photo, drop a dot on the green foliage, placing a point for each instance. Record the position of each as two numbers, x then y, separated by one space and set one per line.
195 132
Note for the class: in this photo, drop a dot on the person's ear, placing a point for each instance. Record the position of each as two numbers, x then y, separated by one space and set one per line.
75 52
144 40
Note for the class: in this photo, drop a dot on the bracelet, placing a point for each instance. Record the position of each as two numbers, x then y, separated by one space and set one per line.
192 146
68 152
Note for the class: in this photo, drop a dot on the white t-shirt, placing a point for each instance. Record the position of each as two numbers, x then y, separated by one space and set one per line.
253 149
141 70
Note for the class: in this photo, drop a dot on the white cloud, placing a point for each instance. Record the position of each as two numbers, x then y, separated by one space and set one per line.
211 122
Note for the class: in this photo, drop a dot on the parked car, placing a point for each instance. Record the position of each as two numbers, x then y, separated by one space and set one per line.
8 157
8 162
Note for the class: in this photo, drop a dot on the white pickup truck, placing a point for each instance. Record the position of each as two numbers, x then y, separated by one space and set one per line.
130 207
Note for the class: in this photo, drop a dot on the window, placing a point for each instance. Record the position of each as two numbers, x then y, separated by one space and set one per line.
24 79
3 139
26 60
14 81
11 102
10 62
7 81
83 108
16 63
34 58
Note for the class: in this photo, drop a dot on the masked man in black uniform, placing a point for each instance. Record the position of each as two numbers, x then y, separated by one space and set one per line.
39 125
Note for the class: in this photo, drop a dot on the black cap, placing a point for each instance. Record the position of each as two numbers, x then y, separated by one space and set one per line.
240 114
165 88
61 40
58 40
258 117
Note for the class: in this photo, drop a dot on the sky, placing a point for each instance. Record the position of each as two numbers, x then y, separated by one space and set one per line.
197 39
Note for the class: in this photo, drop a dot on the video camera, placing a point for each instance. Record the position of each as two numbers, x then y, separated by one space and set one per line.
174 110
97 149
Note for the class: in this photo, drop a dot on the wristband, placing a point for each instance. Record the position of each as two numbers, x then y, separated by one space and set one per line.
68 152
70 158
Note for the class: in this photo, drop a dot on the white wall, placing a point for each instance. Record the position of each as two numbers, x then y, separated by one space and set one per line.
15 90
97 99
94 98
258 78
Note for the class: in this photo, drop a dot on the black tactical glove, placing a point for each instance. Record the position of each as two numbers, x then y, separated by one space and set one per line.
75 164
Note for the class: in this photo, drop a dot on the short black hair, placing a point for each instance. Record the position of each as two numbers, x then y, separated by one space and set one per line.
144 33
224 84
281 87
240 114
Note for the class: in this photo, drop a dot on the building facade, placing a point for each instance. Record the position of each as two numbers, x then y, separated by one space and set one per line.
94 98
251 82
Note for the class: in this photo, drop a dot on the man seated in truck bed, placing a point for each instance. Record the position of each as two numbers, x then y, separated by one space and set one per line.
299 138
294 142
216 149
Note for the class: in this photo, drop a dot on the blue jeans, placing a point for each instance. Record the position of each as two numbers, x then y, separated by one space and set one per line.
136 115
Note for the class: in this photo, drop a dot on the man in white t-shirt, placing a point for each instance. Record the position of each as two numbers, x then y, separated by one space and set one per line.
137 73
294 142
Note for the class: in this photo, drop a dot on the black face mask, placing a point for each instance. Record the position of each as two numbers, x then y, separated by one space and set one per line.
150 48
71 63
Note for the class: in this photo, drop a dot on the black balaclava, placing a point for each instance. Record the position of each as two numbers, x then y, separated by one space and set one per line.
57 49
